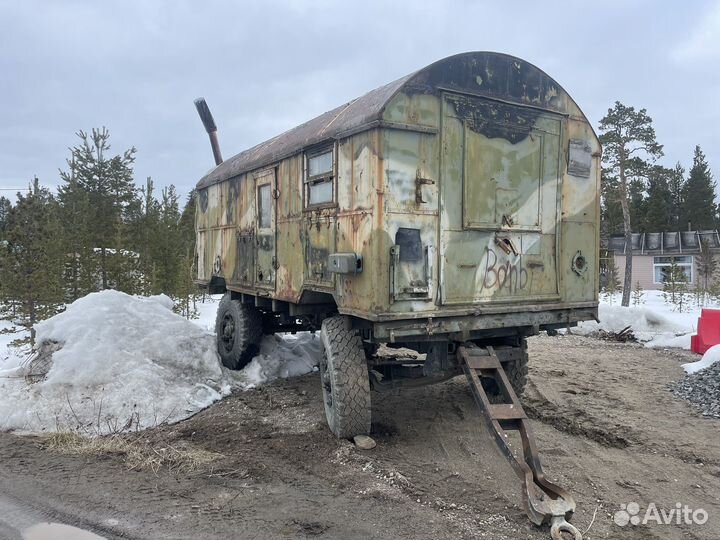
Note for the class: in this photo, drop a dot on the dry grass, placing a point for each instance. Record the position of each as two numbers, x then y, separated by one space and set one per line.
138 454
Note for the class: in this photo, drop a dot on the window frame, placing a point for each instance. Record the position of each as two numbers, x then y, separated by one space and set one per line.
262 179
259 213
324 177
684 265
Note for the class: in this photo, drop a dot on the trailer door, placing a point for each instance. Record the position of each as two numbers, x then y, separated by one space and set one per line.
500 183
265 256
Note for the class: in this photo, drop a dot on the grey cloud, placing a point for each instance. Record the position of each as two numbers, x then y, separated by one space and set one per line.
136 66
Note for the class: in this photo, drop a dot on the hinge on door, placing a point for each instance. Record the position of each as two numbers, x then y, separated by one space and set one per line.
419 183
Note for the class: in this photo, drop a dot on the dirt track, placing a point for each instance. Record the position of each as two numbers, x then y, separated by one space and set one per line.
607 427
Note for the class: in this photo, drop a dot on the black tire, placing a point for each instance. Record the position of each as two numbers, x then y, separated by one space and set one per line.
238 329
517 371
345 380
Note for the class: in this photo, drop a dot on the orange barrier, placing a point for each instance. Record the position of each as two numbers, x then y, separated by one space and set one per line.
708 331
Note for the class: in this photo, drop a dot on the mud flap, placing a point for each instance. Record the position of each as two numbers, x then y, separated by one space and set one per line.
545 503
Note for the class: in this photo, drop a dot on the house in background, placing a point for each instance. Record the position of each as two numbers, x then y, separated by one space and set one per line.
653 254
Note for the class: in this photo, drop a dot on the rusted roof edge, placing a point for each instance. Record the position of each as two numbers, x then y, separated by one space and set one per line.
355 116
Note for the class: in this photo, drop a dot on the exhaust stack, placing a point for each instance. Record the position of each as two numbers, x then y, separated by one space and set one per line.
210 127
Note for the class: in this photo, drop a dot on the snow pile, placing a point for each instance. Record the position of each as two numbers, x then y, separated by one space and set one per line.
280 356
711 356
126 363
650 327
284 356
11 357
207 309
654 322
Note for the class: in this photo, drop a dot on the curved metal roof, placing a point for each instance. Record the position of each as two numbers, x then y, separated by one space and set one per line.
488 74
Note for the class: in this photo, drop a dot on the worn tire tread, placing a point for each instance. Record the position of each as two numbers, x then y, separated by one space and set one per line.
517 371
351 412
248 332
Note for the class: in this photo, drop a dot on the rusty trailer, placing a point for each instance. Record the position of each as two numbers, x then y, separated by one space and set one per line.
454 209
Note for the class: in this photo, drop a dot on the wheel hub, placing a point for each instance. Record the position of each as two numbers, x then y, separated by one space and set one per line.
228 332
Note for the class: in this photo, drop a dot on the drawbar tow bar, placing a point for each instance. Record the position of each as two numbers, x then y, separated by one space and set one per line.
545 503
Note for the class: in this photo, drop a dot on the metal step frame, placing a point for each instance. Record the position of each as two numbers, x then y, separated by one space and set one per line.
545 503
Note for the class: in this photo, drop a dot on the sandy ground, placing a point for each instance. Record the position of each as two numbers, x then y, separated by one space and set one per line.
607 428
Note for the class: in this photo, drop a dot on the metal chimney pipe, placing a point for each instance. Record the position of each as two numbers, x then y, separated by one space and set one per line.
209 123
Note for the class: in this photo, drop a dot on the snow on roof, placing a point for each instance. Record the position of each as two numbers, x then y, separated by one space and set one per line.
667 243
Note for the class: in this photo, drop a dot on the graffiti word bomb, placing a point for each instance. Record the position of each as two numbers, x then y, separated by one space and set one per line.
508 275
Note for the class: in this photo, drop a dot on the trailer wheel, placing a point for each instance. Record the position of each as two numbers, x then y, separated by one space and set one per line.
345 380
238 328
517 373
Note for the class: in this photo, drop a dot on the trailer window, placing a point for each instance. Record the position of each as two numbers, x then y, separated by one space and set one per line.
264 203
320 164
319 178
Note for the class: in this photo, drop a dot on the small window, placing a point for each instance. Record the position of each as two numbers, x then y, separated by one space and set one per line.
662 269
320 164
264 198
319 178
320 192
410 244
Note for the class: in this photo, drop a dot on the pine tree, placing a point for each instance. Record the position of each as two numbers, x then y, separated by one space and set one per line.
187 221
706 265
714 287
187 290
675 286
676 184
699 209
659 200
168 247
32 267
5 206
638 294
108 188
611 220
638 203
80 260
628 140
612 284
144 233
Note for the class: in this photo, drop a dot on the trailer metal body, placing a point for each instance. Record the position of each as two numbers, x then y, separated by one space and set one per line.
455 208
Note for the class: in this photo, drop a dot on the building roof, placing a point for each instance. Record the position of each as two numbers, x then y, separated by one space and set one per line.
487 74
667 243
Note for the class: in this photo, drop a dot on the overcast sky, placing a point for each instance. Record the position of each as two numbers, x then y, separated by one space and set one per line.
136 66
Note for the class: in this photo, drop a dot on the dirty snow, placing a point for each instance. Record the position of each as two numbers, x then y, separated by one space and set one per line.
711 356
128 363
653 322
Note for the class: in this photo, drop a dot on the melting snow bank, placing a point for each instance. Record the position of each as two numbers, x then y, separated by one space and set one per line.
652 327
118 362
711 356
